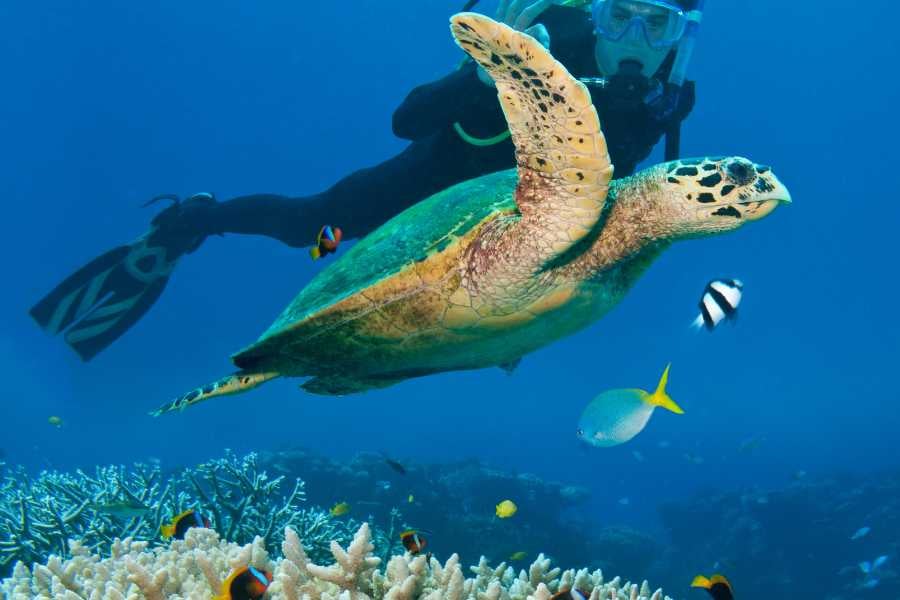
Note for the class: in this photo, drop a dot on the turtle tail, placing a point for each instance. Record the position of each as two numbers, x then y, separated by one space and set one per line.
236 383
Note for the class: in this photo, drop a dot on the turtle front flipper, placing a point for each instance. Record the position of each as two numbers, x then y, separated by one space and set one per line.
232 384
563 164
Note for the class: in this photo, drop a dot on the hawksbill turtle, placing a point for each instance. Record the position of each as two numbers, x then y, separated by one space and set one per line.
491 269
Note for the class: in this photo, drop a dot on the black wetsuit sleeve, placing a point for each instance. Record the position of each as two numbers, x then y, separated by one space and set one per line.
434 106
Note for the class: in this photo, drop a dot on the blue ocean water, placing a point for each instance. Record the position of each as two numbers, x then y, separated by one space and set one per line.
106 104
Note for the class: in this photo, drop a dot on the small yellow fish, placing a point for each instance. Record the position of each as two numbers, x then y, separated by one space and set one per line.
410 499
506 509
520 555
340 509
55 421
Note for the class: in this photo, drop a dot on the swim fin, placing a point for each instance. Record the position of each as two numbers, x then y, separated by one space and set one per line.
102 300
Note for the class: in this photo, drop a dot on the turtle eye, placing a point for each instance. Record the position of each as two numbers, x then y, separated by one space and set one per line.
740 172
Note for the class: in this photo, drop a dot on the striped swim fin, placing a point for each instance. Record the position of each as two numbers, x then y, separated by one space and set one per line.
98 303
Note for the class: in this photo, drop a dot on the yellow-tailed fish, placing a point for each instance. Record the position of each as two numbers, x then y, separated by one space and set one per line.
339 509
410 499
520 555
717 586
616 416
55 421
506 509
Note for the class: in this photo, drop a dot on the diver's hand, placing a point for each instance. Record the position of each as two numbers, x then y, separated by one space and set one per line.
520 14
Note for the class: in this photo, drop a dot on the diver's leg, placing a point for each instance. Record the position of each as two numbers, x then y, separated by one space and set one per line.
365 199
101 301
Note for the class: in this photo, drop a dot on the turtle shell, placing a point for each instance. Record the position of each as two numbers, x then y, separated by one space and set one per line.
419 232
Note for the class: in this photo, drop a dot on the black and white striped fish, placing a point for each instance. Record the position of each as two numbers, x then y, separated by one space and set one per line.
720 301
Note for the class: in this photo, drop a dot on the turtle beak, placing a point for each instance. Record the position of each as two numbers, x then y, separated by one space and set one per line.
764 202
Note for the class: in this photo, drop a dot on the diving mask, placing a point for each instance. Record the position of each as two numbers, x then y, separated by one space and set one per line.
657 24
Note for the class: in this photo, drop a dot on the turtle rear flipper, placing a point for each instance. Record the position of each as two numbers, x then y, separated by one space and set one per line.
563 164
338 385
232 384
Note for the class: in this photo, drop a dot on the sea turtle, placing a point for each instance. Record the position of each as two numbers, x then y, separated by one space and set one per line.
493 268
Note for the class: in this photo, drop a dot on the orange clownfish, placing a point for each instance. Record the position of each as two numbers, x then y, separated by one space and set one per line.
181 523
413 541
246 583
570 594
326 242
717 586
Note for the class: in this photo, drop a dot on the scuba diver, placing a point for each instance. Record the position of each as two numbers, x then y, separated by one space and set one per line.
631 54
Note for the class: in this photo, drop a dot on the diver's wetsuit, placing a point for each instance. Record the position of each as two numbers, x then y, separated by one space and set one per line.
99 302
438 157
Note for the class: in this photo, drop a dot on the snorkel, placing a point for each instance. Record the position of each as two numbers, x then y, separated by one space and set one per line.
686 46
669 101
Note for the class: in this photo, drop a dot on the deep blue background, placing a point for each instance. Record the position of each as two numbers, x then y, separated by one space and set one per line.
105 104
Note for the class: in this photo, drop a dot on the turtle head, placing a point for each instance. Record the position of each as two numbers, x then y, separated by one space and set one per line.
705 196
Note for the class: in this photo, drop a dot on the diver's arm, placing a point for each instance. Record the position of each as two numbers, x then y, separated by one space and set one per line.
437 105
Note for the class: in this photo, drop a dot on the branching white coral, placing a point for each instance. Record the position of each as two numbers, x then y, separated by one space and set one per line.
194 568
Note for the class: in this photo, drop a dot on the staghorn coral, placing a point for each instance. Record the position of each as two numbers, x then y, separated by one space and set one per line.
193 569
39 515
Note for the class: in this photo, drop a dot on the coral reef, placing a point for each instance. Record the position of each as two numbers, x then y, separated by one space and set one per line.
195 567
793 541
39 515
454 501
